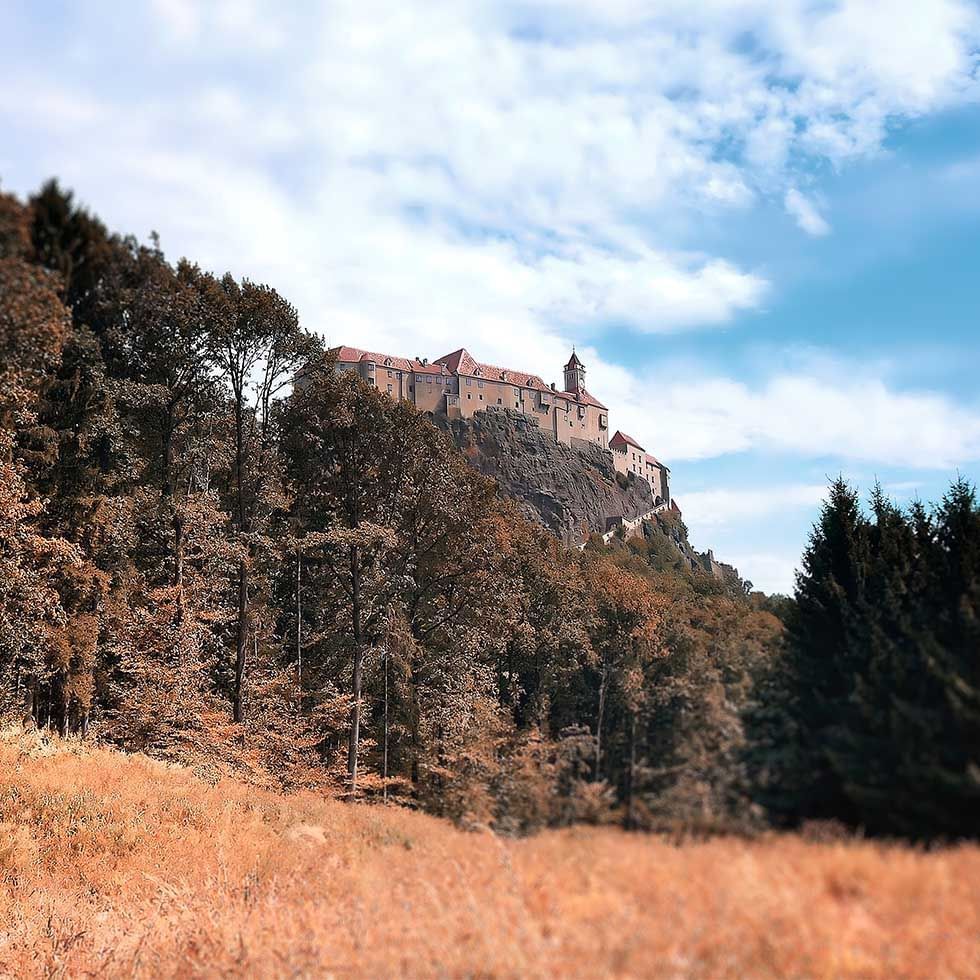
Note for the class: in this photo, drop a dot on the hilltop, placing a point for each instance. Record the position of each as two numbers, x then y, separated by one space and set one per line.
117 865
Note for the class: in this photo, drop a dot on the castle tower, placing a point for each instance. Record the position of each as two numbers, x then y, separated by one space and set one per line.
574 374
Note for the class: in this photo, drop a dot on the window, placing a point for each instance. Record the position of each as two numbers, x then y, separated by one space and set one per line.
389 374
389 386
429 379
500 401
468 395
418 377
469 381
481 398
479 384
411 387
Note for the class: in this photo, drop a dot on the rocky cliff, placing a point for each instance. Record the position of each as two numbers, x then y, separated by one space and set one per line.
572 491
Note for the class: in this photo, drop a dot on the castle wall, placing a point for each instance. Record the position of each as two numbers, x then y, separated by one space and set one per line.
463 395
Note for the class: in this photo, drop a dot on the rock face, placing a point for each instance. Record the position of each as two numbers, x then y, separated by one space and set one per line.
572 491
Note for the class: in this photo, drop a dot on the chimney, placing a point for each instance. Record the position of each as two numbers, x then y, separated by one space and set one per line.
554 387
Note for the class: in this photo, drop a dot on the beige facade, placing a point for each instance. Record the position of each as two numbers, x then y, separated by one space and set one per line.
458 385
629 457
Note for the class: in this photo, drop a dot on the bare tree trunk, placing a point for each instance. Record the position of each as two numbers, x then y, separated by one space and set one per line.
238 712
416 725
384 767
598 724
299 627
242 640
178 523
355 719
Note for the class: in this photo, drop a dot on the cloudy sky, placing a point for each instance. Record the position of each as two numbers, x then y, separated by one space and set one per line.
757 220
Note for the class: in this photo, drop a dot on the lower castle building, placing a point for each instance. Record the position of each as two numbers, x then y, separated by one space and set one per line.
630 457
458 386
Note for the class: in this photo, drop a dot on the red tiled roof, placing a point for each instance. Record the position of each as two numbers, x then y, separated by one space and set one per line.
461 362
353 355
621 436
585 398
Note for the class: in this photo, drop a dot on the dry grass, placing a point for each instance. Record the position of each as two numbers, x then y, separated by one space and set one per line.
119 866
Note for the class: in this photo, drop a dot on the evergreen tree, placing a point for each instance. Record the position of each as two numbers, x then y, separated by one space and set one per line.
825 654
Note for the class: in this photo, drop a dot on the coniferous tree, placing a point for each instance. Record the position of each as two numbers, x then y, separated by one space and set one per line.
824 655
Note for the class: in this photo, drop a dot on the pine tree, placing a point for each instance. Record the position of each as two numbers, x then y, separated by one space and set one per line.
825 653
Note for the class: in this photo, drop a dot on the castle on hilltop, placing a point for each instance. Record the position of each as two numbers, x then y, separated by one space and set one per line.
458 386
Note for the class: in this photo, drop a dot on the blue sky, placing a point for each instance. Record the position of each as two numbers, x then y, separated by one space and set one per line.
757 220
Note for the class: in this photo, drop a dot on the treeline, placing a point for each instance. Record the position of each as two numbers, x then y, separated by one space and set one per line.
216 549
871 716
199 561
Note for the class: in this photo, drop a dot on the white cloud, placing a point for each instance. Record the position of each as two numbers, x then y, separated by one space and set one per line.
417 176
805 212
768 571
515 165
725 506
842 413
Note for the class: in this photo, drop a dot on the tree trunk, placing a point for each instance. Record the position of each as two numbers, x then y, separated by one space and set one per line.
299 627
238 712
355 717
598 724
178 523
416 725
242 640
384 764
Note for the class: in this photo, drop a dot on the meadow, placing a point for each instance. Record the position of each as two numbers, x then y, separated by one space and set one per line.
118 865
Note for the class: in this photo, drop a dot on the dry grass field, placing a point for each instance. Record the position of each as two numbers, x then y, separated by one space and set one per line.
114 865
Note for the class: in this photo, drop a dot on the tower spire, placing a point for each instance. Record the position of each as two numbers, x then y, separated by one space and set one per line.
574 373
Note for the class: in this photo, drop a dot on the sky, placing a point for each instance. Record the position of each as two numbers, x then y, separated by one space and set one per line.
757 221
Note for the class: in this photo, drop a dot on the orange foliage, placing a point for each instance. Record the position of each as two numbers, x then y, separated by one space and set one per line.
115 865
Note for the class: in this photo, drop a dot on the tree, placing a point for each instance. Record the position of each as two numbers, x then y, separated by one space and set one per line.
625 632
399 525
825 654
256 343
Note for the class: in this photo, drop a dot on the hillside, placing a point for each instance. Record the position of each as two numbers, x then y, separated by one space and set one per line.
116 865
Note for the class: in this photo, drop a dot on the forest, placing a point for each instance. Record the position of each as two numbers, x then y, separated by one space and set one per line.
216 550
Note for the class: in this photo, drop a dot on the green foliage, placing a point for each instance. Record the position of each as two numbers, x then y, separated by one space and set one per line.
870 717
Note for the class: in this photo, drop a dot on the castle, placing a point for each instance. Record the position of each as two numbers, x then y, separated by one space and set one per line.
458 386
